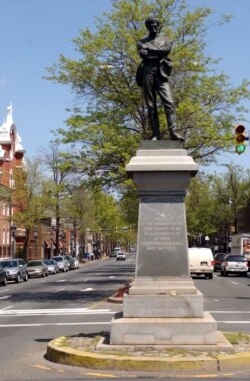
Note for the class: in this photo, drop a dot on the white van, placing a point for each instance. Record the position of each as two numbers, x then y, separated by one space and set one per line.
201 261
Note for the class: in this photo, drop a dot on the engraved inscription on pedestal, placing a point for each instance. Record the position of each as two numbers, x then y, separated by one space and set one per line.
162 242
163 305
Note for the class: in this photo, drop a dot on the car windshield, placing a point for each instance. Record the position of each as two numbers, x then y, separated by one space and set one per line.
34 263
9 264
219 256
49 262
58 259
236 258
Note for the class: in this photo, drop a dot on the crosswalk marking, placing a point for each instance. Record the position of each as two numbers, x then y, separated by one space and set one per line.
88 289
54 312
60 289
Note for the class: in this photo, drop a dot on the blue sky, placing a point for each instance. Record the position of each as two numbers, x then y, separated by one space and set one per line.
34 32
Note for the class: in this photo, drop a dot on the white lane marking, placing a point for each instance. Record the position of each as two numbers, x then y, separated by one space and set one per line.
55 312
4 297
6 289
229 312
233 321
60 289
61 280
234 282
216 300
88 289
6 308
53 324
111 277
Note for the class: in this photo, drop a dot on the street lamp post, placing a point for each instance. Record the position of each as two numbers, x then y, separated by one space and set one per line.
13 235
207 240
35 232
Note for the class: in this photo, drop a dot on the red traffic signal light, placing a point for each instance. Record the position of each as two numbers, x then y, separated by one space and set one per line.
240 138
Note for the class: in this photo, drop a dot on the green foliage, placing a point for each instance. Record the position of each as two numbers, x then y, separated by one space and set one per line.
110 118
5 194
200 207
31 205
78 208
214 202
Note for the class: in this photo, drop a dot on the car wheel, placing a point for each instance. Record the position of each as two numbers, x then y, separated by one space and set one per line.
225 273
26 277
4 283
18 279
209 276
43 275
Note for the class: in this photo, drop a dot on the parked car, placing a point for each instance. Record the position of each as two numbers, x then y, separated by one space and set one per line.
37 268
3 277
52 266
120 256
113 253
201 262
71 261
234 264
16 269
218 258
63 264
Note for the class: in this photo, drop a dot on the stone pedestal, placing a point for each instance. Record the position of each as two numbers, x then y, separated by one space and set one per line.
163 305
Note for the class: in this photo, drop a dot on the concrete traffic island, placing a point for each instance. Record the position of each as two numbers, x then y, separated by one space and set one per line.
163 326
95 352
163 306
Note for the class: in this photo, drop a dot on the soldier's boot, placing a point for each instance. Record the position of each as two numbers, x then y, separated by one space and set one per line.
174 135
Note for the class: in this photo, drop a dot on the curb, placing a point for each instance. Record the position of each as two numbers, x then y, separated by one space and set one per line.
59 351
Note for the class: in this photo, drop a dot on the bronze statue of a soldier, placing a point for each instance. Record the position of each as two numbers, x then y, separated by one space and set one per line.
153 76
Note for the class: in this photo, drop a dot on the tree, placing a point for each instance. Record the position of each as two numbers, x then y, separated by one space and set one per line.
59 171
231 193
29 201
214 202
201 209
110 117
78 210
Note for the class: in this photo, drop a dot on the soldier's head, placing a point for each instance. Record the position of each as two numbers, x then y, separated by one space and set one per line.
153 25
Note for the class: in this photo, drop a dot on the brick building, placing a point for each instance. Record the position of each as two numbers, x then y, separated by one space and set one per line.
11 157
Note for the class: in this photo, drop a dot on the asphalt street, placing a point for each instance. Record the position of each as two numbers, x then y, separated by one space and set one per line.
33 313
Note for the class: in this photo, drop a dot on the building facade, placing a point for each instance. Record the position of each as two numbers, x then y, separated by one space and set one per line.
11 157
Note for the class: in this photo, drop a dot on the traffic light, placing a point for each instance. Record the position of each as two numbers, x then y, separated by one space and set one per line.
240 138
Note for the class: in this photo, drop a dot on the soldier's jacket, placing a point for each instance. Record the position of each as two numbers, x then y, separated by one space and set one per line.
157 54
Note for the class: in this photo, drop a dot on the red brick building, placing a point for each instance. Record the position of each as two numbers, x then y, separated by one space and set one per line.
11 157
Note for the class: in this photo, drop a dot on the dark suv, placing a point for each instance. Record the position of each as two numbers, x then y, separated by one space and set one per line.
16 269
